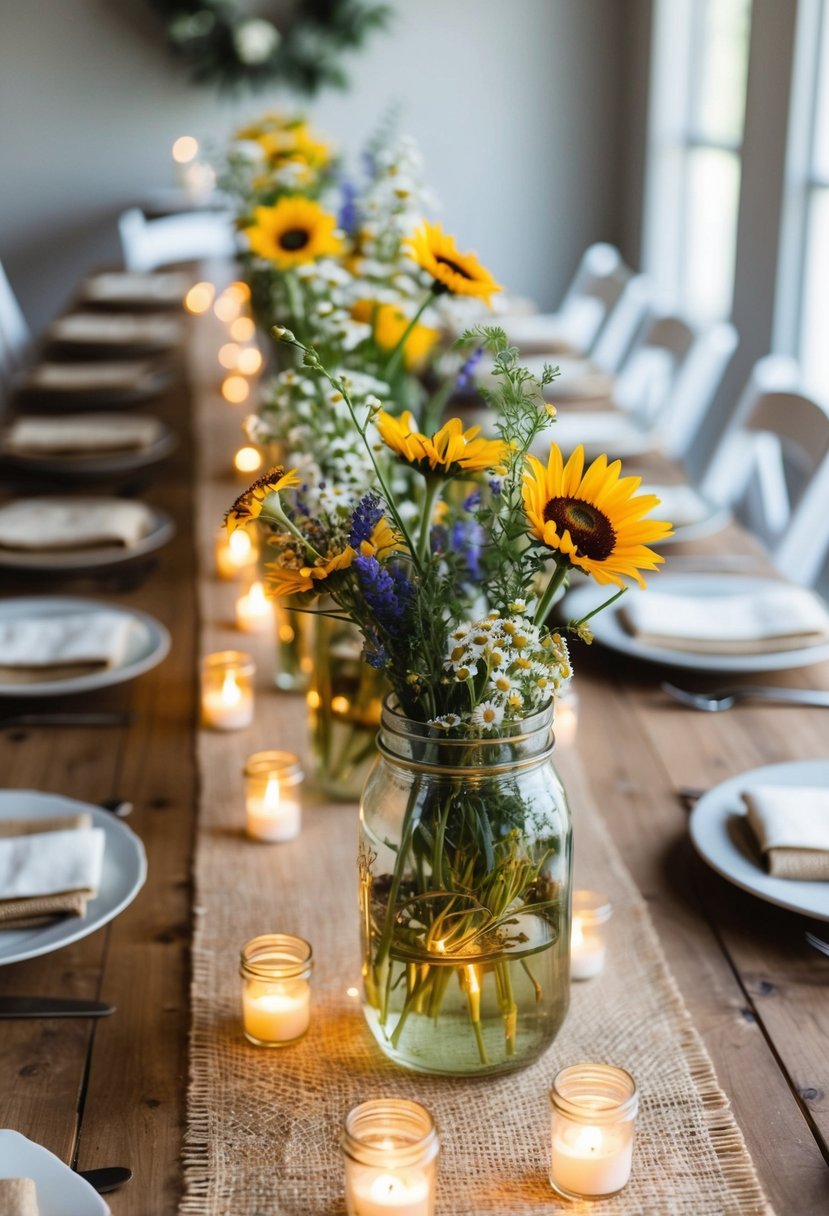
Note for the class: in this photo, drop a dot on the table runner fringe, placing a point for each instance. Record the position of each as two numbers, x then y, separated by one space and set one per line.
195 1152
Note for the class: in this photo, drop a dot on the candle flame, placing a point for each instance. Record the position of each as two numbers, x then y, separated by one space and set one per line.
256 596
231 692
240 546
185 149
588 1140
271 799
199 298
576 934
235 389
248 460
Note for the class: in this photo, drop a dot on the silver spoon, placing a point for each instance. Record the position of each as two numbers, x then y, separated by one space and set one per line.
817 943
724 698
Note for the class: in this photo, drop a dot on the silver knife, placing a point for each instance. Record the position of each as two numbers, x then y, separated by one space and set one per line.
52 1007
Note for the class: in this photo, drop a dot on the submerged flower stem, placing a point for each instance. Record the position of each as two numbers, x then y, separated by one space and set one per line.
396 355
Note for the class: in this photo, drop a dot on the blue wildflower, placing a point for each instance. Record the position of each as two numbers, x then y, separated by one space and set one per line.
472 501
466 375
374 652
467 544
387 592
365 516
495 485
349 217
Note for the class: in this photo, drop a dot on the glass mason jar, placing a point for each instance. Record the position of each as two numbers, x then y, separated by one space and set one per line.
276 989
391 1147
594 1115
465 862
345 698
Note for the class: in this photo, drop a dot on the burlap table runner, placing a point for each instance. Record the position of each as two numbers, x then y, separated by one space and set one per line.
263 1126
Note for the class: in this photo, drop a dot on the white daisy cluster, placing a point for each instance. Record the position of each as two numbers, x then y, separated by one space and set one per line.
310 423
511 667
391 206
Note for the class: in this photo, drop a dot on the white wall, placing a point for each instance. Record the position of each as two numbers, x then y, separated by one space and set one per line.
518 108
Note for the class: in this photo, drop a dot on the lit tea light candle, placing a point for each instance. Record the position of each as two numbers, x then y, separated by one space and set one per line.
276 989
254 611
235 553
588 945
272 802
227 306
227 690
242 329
594 1112
247 460
235 389
199 298
391 1147
249 361
566 719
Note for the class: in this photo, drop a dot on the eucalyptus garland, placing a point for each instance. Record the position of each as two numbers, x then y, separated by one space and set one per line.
299 45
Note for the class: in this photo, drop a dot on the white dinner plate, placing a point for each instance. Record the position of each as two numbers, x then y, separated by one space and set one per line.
123 874
608 629
162 529
54 397
60 1191
147 645
722 837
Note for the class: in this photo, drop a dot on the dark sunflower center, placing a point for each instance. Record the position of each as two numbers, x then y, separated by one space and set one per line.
453 266
590 530
293 239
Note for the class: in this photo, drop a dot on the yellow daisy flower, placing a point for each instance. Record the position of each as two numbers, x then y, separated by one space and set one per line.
450 451
592 518
461 274
248 506
293 232
282 581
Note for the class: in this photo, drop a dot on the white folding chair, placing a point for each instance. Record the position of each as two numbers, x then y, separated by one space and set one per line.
15 336
591 299
661 395
189 237
772 468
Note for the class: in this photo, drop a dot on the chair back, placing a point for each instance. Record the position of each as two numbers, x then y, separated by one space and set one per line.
772 468
624 323
598 284
190 237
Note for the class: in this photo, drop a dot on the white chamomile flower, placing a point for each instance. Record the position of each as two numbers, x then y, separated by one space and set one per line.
487 714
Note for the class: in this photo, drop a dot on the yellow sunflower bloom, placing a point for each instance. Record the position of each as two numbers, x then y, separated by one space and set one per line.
293 232
389 324
248 506
384 540
293 144
461 274
592 518
450 451
281 581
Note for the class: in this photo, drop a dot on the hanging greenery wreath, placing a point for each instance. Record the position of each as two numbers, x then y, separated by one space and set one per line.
298 44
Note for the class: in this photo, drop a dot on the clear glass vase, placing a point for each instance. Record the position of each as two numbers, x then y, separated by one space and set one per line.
293 658
465 873
345 699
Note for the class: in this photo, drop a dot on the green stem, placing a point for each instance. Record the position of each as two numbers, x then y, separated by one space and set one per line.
396 355
278 515
431 493
601 608
435 406
295 301
545 603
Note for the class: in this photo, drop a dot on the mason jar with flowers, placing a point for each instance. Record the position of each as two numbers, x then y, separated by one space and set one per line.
465 852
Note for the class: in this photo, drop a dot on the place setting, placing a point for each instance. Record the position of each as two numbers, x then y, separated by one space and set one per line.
114 333
90 385
74 535
84 445
125 289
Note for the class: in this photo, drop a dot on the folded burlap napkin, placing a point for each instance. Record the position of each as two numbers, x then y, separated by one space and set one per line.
49 647
118 329
791 824
49 867
779 618
80 434
45 524
18 1197
89 377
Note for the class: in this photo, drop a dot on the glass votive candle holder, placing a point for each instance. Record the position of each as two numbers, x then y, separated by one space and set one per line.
227 689
391 1148
276 989
594 1113
272 801
254 611
235 554
566 718
588 937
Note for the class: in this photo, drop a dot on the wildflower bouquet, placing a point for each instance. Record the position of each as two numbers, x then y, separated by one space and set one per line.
465 856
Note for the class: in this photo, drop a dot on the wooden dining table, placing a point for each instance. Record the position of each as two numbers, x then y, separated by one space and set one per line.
113 1091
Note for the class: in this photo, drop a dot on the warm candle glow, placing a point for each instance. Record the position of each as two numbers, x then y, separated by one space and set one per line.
235 389
593 1117
238 290
235 553
249 361
199 298
276 991
588 946
227 690
227 307
272 798
254 611
185 149
228 355
280 1015
242 329
231 692
248 460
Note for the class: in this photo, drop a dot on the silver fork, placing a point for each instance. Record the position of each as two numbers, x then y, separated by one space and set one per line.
817 943
724 698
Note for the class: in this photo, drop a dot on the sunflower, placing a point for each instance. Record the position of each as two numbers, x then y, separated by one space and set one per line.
592 518
282 581
461 274
248 506
294 143
293 232
390 324
450 451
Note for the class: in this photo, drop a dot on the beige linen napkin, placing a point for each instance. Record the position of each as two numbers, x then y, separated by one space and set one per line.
46 524
780 618
136 287
47 647
791 824
81 434
48 868
89 377
122 329
18 1197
